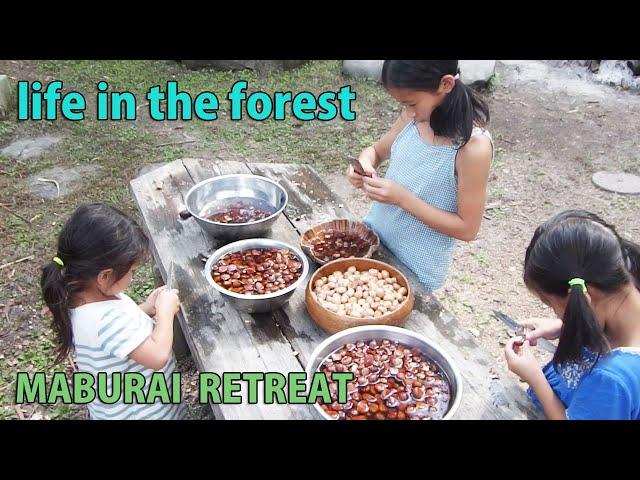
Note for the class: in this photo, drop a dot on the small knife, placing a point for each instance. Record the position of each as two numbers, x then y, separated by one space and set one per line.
513 325
169 282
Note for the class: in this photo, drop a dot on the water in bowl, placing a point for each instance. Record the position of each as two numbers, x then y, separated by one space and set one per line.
237 210
392 382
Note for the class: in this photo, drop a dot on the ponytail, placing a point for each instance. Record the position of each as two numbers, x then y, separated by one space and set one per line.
459 112
580 329
96 237
632 259
579 247
56 296
461 109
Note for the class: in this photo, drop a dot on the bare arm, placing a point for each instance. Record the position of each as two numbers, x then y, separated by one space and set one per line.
155 351
553 407
472 164
521 361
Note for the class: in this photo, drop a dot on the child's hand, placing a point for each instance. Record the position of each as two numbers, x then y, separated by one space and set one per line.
548 328
149 305
385 191
168 302
520 359
356 179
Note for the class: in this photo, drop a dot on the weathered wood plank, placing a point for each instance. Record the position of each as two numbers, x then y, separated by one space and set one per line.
312 202
220 339
282 230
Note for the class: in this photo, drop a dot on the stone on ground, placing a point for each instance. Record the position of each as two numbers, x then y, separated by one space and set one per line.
476 72
26 148
617 182
472 72
371 69
70 179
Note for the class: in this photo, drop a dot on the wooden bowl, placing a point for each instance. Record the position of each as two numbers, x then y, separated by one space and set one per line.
347 226
333 322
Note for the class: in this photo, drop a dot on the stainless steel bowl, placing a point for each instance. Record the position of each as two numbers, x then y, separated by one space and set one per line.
217 189
256 303
402 335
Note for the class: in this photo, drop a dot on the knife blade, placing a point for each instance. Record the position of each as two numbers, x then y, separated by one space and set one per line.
513 325
169 282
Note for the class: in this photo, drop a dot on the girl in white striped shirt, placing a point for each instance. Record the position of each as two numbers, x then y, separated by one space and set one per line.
99 248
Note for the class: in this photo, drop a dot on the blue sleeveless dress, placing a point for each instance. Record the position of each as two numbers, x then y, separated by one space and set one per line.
429 172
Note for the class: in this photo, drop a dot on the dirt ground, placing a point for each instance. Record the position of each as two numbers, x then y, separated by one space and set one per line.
552 131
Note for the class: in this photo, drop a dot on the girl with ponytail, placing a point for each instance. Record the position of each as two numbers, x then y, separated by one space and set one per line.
579 266
434 191
99 247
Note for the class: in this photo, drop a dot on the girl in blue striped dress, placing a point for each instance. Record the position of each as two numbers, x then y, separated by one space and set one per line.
99 248
434 191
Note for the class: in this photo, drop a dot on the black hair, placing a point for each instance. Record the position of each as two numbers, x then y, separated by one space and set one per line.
96 237
460 110
579 244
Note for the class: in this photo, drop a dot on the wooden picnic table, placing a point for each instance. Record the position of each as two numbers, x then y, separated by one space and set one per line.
221 339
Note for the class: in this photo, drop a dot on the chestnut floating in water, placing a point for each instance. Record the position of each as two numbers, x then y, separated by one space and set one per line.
240 212
405 392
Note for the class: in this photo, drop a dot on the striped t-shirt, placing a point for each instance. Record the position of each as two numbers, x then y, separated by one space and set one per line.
104 334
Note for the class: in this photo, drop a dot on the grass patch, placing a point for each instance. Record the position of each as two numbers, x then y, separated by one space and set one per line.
6 130
83 75
492 84
323 145
34 352
142 284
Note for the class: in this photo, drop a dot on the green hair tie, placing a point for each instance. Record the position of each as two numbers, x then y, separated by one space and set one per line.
58 261
578 281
